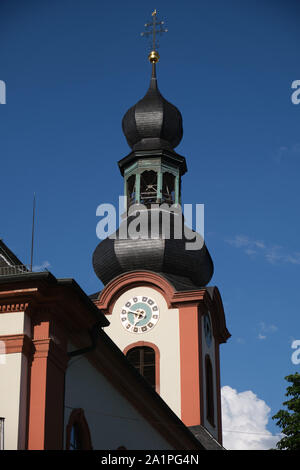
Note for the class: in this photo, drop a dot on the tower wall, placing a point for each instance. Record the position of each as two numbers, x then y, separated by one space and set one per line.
182 340
165 336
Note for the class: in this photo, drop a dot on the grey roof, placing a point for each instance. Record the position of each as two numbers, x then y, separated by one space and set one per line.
205 438
7 257
153 122
162 254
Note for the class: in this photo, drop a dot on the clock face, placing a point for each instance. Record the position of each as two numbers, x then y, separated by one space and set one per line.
207 329
139 315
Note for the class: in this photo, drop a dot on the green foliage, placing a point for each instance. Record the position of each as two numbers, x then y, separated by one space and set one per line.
289 420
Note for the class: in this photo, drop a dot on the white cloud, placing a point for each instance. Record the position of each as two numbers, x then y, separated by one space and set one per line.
244 420
240 340
287 152
274 254
265 329
259 244
41 267
260 336
239 241
250 252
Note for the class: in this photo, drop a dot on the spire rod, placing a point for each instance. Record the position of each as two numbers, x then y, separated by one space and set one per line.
32 231
153 70
154 28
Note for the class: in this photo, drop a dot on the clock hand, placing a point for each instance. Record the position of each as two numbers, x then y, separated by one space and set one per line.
136 319
139 315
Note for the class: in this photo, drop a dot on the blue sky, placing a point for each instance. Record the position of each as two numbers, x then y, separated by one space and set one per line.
73 68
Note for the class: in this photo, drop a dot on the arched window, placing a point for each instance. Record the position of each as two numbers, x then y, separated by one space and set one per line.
77 433
143 359
75 438
131 192
168 188
210 409
148 187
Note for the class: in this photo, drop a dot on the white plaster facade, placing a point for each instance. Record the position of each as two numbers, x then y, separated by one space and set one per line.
13 382
165 335
112 420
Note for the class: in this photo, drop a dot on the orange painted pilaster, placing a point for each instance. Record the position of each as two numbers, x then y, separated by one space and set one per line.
46 401
190 365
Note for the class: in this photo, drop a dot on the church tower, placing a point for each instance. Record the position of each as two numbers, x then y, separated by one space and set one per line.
162 314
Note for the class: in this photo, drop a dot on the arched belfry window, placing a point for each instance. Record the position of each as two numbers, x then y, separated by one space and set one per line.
145 359
210 408
148 187
168 188
131 190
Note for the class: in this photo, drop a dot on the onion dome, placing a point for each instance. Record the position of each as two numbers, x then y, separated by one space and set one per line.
153 122
116 255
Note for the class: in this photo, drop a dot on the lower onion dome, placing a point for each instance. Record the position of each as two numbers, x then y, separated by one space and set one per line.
170 250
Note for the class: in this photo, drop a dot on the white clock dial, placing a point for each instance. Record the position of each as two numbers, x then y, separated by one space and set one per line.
139 315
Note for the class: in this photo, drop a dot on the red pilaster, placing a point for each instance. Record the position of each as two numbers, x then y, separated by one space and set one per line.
190 365
46 400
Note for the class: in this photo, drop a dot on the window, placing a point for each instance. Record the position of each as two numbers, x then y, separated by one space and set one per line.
210 411
77 432
131 194
143 359
148 187
2 433
75 438
168 189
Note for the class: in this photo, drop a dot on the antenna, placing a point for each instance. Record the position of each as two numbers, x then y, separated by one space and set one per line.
32 232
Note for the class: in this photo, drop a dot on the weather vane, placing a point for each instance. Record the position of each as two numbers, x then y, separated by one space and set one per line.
154 28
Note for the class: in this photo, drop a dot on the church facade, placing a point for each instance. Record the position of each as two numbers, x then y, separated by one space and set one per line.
137 364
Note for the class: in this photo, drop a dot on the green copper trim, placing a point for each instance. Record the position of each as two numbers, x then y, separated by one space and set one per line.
138 188
159 185
125 187
177 189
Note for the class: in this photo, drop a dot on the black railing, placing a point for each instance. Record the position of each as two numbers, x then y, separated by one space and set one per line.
13 270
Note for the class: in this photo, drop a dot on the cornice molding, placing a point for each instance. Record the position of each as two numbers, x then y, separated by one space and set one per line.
20 343
120 284
12 308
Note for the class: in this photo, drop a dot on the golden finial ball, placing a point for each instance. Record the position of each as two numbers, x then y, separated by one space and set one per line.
153 57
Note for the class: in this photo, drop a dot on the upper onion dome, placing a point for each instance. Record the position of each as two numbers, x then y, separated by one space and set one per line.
153 122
